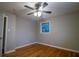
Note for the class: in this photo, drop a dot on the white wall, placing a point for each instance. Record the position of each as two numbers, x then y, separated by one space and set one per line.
64 31
25 31
10 41
1 26
19 31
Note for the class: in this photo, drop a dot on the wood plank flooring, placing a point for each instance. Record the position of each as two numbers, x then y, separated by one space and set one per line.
38 50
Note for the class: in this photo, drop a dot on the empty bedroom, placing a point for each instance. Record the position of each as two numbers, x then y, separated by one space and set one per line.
39 29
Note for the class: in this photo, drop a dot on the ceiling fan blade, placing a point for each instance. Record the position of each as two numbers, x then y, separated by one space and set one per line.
47 12
45 4
28 7
30 13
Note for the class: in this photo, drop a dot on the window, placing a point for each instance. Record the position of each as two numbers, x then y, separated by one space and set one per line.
44 27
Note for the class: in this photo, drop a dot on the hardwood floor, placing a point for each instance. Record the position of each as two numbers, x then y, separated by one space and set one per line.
38 50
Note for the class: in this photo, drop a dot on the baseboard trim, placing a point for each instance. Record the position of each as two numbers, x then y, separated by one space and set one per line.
60 47
42 44
24 45
19 47
10 51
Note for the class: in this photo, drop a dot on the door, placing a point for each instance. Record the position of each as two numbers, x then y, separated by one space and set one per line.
1 33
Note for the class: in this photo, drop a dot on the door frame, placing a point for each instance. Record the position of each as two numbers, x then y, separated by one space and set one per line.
6 31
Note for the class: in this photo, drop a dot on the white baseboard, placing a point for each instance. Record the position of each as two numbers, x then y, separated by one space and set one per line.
10 51
42 44
60 47
25 45
19 47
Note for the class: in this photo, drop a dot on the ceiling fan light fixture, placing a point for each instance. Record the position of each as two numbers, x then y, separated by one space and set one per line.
37 14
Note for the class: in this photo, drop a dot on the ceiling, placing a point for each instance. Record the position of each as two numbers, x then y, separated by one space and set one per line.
57 8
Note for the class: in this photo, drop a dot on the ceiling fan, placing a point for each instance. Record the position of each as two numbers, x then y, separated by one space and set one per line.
38 10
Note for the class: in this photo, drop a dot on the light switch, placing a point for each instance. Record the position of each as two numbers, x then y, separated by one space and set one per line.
8 30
